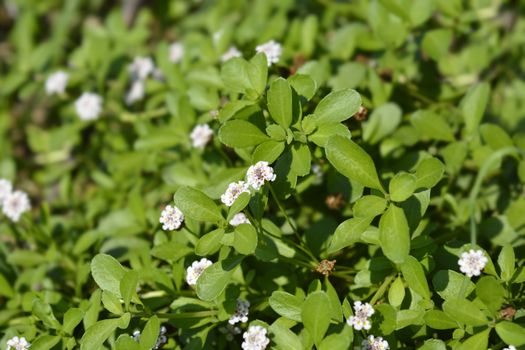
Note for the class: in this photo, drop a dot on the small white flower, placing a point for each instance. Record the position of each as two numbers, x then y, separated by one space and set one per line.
272 50
201 135
234 190
258 174
141 67
239 219
511 347
255 338
373 343
230 53
16 343
88 106
135 93
56 83
241 312
176 52
195 270
6 187
171 218
318 172
15 204
361 314
472 262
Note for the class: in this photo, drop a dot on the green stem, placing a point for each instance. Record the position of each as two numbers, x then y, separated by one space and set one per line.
382 289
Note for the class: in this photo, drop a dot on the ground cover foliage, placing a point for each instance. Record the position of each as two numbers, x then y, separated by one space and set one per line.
262 174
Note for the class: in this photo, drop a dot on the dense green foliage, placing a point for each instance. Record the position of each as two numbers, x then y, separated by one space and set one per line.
395 128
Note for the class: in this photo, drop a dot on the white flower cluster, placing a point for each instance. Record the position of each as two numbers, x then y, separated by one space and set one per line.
13 203
140 70
194 271
56 83
361 314
171 218
510 347
230 53
161 340
201 135
272 50
472 262
234 190
255 338
258 174
176 52
16 343
239 219
88 106
241 312
373 343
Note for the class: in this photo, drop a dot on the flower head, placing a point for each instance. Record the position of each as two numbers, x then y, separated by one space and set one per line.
361 314
472 262
234 190
15 204
238 219
56 83
241 312
272 50
255 338
201 135
16 343
171 218
230 53
6 187
135 93
373 343
510 347
176 52
195 270
141 67
88 106
258 174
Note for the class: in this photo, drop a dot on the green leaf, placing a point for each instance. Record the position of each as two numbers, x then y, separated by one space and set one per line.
280 102
235 75
72 318
352 161
107 273
335 304
45 342
245 239
396 293
490 291
286 305
111 303
341 340
258 72
394 234
239 204
464 311
381 123
415 276
511 333
215 278
337 106
268 151
506 261
98 333
369 206
209 243
125 342
448 284
429 172
433 344
128 286
240 133
402 186
301 159
284 338
495 136
148 337
432 125
348 232
315 314
478 341
473 106
437 319
325 131
42 311
196 205
436 43
303 84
